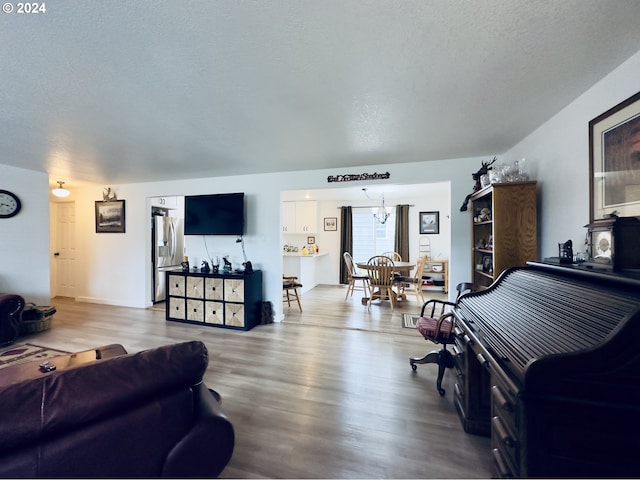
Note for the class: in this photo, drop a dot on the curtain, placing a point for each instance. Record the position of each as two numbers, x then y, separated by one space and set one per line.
401 241
346 240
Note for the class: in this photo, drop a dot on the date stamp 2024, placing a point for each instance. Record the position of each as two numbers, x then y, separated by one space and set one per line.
24 7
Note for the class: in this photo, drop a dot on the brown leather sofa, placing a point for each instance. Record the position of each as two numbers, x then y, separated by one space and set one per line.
11 307
147 414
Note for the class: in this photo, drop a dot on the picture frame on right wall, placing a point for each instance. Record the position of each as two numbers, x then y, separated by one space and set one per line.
331 224
429 223
614 161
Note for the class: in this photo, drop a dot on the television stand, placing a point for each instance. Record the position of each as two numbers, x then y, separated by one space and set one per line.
226 300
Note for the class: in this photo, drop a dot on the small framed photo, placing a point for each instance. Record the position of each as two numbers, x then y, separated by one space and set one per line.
110 217
331 224
311 240
487 264
429 222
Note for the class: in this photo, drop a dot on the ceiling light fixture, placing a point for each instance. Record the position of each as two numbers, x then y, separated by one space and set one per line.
60 191
382 213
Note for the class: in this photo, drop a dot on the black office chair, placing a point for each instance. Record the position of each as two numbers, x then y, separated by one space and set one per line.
463 288
436 325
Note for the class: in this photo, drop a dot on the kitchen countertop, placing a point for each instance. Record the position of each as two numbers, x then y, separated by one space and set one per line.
298 254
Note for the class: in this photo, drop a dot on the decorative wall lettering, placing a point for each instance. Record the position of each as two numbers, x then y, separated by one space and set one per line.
352 177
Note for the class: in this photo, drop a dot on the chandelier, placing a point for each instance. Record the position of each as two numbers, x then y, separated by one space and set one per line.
381 214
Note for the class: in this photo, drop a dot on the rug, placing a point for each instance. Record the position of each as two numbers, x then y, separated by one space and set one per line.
409 320
26 352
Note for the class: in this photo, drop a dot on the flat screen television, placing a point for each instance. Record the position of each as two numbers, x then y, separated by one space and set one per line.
216 214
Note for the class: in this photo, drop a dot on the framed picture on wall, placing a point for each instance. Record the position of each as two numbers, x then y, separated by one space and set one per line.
331 224
110 217
429 222
614 167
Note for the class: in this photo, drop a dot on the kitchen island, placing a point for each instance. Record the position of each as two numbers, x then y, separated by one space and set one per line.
305 267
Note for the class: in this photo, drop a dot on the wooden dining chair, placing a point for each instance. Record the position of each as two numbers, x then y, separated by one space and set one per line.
412 284
395 256
291 287
381 274
354 276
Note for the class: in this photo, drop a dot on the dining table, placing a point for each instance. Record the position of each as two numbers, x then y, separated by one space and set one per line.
399 268
403 268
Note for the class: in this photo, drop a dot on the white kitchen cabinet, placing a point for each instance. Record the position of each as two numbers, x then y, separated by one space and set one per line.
165 202
306 217
300 217
288 217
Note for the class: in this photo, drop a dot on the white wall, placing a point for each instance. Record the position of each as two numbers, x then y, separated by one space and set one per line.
24 239
115 268
559 151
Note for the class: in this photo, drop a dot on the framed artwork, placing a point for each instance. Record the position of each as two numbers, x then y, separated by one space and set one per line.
110 217
429 222
331 224
311 240
614 161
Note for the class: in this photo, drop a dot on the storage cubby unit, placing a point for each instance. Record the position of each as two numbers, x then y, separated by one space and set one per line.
503 230
231 300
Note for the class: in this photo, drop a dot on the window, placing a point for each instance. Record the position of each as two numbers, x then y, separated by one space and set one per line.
370 237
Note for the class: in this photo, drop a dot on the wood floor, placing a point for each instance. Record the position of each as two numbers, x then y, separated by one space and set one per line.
328 393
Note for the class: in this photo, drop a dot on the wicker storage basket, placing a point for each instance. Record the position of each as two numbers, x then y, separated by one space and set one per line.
36 319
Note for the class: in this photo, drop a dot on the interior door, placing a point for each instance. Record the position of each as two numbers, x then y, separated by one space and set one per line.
64 250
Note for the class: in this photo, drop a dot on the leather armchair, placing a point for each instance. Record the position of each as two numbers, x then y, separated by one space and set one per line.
11 307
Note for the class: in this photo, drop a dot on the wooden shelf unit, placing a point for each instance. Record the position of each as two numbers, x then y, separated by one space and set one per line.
231 300
509 237
428 271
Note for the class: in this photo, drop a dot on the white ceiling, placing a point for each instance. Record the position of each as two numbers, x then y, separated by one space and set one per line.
120 91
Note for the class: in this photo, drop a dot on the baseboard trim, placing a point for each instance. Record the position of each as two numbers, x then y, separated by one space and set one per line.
104 301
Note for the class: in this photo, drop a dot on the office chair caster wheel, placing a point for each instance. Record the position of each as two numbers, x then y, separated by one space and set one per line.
441 392
414 367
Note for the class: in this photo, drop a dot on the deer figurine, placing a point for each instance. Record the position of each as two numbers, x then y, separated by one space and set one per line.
108 195
486 166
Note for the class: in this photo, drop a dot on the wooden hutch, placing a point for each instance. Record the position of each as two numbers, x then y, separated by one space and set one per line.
503 230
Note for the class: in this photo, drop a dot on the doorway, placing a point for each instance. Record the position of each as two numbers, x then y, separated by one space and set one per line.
425 197
64 250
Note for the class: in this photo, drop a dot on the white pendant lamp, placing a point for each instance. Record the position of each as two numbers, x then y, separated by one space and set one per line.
60 191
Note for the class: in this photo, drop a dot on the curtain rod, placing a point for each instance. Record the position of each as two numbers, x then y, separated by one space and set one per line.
376 206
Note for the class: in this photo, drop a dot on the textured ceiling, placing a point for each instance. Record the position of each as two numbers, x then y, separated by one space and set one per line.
115 91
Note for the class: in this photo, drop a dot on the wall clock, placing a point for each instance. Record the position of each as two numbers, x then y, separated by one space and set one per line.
9 204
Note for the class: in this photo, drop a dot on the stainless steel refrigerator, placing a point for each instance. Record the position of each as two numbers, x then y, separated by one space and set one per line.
168 244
